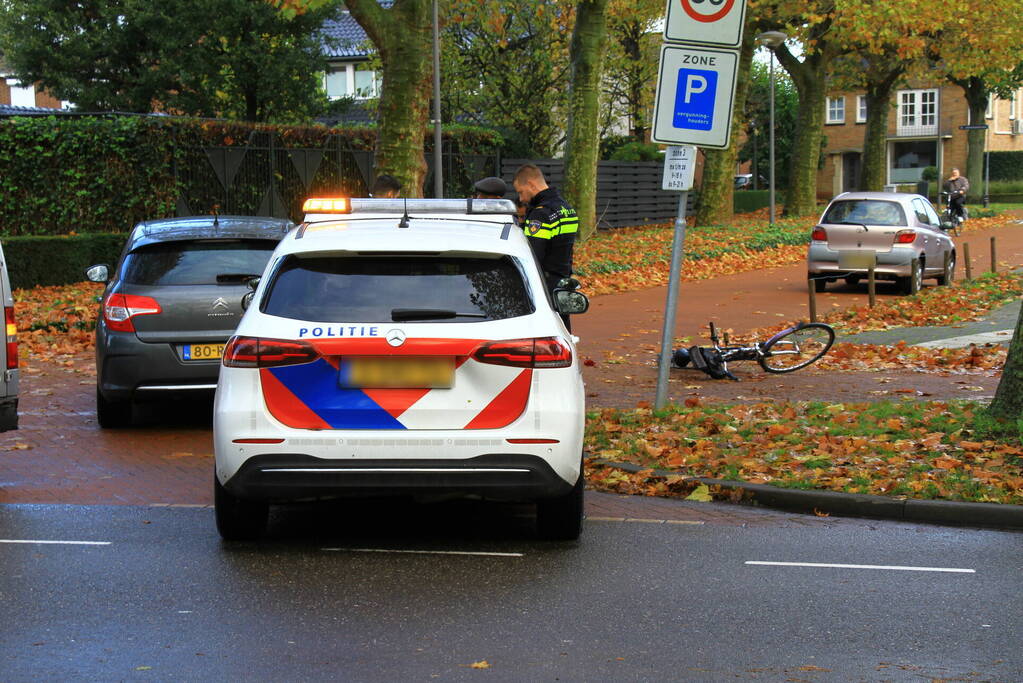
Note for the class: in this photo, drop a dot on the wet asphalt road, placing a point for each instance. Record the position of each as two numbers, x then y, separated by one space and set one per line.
167 601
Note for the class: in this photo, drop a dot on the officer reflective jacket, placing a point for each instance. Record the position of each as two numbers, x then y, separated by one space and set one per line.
551 226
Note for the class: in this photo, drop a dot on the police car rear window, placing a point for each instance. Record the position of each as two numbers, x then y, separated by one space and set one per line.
197 262
409 288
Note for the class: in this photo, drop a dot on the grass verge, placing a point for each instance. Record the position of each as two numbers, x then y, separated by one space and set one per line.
925 450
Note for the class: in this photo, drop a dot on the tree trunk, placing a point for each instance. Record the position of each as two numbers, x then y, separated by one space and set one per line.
808 77
976 98
403 37
718 186
1008 401
875 133
582 151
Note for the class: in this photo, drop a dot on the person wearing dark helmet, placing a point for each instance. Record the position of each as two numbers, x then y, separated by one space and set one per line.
490 188
385 187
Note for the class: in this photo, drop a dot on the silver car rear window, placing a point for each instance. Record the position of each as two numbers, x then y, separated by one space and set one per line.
373 288
865 211
197 262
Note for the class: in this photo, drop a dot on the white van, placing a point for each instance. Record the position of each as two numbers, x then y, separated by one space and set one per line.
8 355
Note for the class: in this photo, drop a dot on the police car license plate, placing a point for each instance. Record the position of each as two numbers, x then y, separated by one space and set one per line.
387 372
202 351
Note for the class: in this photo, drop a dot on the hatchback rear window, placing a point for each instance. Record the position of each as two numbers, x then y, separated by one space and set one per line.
197 262
397 288
865 211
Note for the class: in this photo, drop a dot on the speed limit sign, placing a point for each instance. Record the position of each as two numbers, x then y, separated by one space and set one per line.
705 22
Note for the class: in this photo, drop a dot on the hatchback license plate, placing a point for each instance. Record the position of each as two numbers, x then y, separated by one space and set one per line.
386 372
202 351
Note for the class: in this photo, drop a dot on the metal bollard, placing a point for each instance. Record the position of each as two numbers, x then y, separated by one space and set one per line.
871 287
914 270
966 260
944 268
812 289
994 261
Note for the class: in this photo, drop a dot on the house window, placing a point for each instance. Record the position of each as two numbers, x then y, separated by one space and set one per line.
1012 105
989 113
910 158
336 83
918 112
861 108
366 82
836 110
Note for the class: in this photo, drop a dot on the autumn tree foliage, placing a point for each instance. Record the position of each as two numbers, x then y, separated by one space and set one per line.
508 67
630 65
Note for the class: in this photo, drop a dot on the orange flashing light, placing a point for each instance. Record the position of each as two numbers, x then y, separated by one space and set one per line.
327 205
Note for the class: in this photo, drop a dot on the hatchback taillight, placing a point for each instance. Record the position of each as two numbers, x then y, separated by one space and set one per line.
12 337
119 309
818 235
256 352
905 236
545 352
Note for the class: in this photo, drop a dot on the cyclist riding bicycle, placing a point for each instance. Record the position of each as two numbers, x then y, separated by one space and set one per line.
956 187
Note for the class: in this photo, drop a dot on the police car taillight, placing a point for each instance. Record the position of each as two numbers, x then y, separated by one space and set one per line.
119 309
12 337
327 205
544 352
256 352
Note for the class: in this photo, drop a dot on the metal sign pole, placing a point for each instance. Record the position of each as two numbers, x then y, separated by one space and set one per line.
668 333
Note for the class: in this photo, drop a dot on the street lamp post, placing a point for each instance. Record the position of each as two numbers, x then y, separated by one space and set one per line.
771 40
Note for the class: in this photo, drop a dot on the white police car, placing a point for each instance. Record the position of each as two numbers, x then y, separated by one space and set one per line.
401 347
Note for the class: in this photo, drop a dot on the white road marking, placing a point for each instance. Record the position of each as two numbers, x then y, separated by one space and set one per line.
9 540
867 566
422 552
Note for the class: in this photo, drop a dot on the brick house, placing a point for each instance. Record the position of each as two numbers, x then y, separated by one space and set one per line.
14 95
923 130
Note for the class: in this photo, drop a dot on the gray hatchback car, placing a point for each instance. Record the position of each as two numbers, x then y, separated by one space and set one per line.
899 234
171 304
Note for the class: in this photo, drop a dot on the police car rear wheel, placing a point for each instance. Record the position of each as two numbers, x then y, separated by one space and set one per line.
561 518
238 519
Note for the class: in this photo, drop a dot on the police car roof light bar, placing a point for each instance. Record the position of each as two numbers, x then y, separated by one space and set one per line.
342 205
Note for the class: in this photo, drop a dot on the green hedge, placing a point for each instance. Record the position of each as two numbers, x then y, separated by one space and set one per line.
52 260
744 201
61 175
1006 166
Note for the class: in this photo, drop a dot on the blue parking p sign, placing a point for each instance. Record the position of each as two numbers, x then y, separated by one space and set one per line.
694 99
695 93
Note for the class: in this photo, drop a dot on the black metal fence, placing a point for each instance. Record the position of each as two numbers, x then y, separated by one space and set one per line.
628 193
265 177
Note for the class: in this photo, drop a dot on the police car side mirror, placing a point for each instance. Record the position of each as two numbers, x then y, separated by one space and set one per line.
571 302
252 283
98 273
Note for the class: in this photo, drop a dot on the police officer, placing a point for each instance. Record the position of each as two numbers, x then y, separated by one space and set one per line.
550 224
490 188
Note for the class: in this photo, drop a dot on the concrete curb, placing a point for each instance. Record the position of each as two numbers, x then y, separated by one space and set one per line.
994 515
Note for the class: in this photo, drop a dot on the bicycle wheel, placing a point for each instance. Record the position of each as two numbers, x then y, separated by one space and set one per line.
797 348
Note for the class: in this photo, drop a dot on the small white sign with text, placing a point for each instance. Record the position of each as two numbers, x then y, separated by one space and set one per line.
679 168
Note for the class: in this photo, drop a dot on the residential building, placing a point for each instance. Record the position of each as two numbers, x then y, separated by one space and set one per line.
15 97
923 130
350 74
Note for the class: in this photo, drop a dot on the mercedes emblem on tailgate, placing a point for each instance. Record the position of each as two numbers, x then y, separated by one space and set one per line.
395 337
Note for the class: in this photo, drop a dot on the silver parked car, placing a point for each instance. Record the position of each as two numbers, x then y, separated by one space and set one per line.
892 231
170 306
